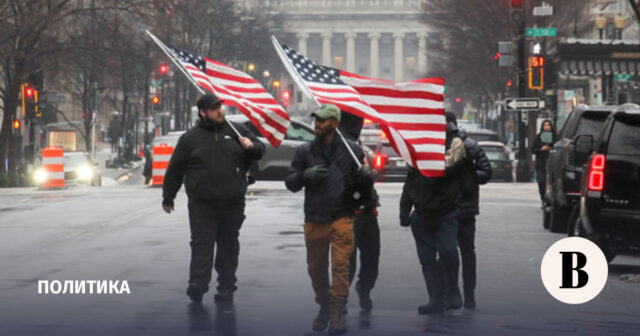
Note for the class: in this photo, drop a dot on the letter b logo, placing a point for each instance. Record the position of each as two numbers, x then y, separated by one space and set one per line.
574 270
568 270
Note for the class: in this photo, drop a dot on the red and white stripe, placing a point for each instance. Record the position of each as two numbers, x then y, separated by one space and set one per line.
239 89
414 115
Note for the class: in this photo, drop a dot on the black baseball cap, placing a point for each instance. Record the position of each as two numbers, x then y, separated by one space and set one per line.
208 101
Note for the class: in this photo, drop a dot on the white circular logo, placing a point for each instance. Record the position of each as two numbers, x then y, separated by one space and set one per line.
574 270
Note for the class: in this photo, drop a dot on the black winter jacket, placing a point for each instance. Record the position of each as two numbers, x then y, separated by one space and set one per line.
212 164
324 200
435 197
478 169
541 156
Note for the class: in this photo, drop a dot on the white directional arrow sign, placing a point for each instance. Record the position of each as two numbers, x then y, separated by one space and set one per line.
513 104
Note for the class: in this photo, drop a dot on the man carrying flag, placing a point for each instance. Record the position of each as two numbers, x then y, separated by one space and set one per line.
325 169
212 161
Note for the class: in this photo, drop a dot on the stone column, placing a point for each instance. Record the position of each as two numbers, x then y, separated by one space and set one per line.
326 49
302 43
374 54
398 56
422 53
351 51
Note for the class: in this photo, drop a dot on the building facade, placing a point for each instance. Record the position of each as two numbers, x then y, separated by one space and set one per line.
374 38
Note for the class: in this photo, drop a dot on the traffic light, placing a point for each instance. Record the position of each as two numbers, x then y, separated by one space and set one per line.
276 83
163 69
516 10
155 100
16 125
536 72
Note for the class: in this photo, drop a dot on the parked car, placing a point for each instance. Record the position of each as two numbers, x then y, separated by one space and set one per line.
564 169
482 134
609 208
79 168
501 164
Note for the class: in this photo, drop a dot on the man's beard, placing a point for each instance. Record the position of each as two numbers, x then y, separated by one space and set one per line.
210 122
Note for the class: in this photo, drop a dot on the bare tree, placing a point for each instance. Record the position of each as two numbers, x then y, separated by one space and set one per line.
26 31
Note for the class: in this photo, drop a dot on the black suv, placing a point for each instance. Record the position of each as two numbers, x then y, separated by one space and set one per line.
564 170
609 209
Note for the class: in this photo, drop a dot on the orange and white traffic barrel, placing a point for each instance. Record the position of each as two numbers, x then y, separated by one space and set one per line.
161 156
53 166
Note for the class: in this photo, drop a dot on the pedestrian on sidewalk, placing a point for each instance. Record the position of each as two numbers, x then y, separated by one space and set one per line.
147 171
434 222
477 171
542 145
213 162
325 169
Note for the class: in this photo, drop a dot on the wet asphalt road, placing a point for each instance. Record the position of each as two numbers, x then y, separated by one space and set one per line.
120 233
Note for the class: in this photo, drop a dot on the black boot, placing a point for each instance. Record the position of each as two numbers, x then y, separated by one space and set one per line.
469 299
433 279
451 267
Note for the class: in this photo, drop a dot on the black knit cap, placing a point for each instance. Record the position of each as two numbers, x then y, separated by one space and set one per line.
208 101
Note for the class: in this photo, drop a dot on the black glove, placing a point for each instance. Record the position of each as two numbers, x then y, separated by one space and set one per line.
315 173
404 221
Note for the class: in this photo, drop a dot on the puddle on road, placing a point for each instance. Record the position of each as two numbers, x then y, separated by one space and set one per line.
289 233
288 246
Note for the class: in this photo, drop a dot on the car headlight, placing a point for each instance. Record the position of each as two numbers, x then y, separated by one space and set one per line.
84 173
40 175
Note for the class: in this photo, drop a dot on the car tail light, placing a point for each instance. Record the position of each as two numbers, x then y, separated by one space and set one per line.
379 161
383 135
596 172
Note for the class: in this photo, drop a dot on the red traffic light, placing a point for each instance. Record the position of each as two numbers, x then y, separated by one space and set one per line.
29 92
163 69
155 100
458 99
509 83
516 3
16 124
497 56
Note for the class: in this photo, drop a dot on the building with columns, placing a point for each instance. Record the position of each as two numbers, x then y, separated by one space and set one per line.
374 38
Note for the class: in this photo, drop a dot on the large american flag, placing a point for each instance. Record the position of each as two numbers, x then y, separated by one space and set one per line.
411 113
237 89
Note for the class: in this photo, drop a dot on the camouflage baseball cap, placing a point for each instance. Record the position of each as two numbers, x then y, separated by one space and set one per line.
327 111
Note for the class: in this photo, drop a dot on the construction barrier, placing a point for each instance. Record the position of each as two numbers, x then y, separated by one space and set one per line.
53 165
161 156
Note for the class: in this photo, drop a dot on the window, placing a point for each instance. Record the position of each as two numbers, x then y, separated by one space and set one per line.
299 132
591 124
625 136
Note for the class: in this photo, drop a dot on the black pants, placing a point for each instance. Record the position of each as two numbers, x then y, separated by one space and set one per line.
367 240
466 237
541 177
211 225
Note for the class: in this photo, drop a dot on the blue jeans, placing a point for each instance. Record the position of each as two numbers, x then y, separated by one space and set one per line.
436 238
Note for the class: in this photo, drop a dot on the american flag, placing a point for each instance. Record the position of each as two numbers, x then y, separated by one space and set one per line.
237 89
411 113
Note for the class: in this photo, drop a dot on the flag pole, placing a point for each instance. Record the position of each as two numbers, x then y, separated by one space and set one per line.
184 71
298 80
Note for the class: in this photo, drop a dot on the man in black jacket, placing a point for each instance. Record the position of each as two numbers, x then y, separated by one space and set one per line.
213 162
477 171
326 171
434 223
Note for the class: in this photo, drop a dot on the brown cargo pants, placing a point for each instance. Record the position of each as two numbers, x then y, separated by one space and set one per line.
318 236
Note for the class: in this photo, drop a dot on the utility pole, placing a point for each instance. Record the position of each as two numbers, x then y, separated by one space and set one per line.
518 17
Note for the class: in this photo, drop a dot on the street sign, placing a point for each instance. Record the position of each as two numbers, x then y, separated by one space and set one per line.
542 11
536 32
622 78
513 104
